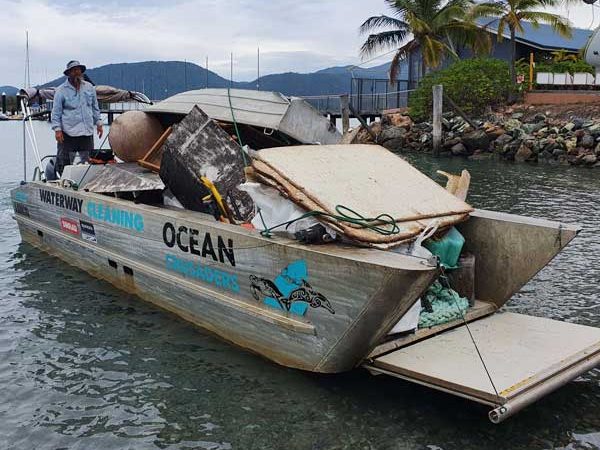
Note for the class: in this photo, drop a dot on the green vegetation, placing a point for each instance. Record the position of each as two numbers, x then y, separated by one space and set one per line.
565 66
512 13
438 27
556 62
473 84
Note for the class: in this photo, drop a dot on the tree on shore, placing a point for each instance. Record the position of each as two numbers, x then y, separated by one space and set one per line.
510 14
438 27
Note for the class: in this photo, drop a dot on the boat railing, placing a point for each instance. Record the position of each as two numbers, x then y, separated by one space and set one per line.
37 172
28 131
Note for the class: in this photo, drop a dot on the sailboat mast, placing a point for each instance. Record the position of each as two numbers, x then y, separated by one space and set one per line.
27 75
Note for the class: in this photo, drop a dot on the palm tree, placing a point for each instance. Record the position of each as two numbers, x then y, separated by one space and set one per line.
438 28
563 55
512 13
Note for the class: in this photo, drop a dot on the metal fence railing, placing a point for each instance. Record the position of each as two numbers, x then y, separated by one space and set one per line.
368 97
365 104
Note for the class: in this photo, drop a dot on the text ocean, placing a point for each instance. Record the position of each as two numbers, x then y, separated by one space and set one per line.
189 240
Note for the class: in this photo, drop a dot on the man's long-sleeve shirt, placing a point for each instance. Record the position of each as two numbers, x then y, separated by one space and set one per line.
75 112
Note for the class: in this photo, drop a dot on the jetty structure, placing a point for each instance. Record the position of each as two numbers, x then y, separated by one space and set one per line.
240 212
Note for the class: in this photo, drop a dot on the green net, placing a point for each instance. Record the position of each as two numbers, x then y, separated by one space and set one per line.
446 306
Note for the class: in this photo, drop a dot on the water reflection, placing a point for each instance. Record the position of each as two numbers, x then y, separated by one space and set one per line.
101 365
83 365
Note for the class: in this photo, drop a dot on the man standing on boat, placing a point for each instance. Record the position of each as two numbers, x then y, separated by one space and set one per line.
74 114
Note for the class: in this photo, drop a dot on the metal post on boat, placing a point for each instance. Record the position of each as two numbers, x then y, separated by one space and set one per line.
24 150
438 94
31 133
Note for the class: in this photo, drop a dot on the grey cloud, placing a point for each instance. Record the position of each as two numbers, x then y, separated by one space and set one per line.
293 36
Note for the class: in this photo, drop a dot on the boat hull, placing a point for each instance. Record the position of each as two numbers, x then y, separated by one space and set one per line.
317 308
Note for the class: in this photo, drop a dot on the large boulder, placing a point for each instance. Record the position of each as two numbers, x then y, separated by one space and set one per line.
395 145
397 120
589 160
523 154
390 133
459 150
512 124
132 134
476 140
587 141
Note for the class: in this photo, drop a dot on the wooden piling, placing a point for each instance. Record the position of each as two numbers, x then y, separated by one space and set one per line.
438 95
345 110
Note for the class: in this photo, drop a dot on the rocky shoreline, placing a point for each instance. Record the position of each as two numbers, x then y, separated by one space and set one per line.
527 135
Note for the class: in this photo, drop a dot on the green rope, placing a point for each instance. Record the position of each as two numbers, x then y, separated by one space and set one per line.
382 224
237 131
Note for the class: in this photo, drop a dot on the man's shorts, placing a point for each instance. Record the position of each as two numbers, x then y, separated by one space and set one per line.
80 144
71 145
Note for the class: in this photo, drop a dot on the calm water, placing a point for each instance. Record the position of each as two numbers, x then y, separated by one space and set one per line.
83 365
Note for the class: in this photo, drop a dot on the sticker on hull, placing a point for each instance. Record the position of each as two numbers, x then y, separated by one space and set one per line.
88 232
70 226
290 291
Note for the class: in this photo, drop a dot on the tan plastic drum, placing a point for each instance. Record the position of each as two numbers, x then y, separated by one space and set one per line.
132 135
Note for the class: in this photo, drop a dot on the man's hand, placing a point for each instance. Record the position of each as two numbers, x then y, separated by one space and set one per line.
100 130
60 138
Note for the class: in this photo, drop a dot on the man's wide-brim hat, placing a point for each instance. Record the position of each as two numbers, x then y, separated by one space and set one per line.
72 64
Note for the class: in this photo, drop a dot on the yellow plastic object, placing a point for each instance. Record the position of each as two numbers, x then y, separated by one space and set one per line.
217 196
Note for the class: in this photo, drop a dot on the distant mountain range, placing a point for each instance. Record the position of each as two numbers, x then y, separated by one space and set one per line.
161 79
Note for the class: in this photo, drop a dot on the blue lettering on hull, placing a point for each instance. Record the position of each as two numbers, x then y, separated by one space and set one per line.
21 197
119 217
191 269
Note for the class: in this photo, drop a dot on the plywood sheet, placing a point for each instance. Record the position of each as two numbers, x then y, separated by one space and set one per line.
407 229
518 350
366 178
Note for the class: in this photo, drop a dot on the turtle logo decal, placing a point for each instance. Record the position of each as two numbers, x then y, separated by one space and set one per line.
290 291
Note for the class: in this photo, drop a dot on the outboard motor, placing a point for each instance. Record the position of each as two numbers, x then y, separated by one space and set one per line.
50 170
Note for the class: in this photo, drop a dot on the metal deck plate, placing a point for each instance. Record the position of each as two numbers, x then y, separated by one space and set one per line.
519 351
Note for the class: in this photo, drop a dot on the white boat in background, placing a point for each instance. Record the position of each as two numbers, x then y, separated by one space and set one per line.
322 308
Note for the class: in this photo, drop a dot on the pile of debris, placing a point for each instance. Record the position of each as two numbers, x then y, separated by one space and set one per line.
360 198
516 136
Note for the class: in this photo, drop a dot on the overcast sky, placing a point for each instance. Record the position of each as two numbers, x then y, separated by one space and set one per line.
297 36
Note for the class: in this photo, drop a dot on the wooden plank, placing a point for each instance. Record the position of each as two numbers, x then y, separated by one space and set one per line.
345 108
151 160
438 93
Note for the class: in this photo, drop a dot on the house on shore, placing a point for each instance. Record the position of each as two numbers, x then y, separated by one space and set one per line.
540 41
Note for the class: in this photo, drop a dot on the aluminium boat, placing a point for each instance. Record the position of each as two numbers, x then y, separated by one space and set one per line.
323 308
